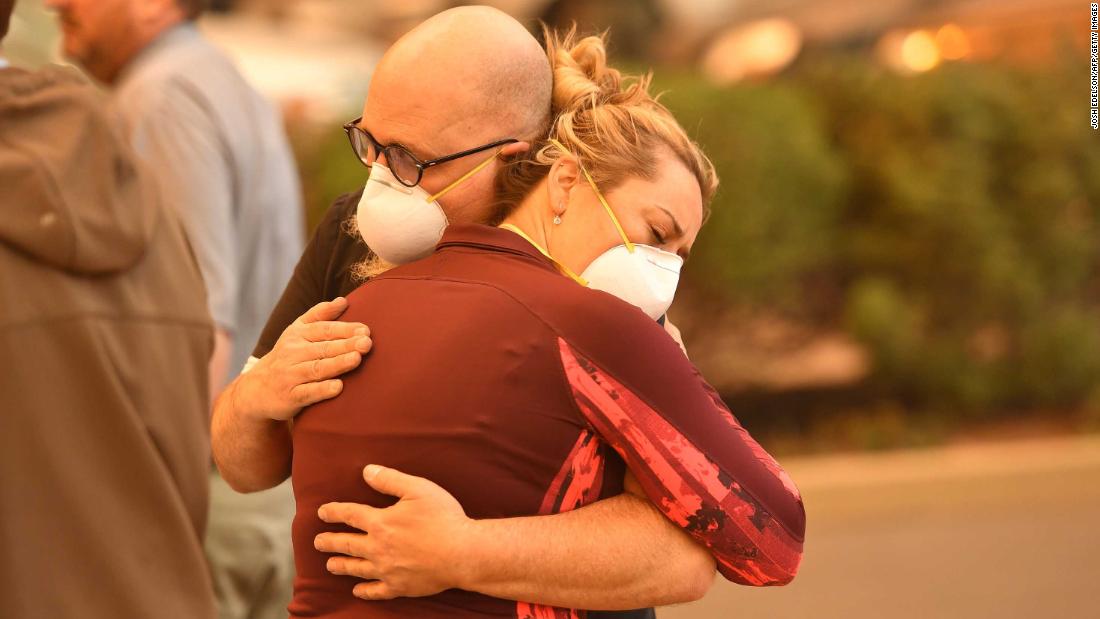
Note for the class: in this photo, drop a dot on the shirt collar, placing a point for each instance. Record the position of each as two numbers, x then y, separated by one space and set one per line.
175 36
493 239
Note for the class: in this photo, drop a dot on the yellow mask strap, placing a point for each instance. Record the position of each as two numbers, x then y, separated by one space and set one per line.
603 201
465 176
561 267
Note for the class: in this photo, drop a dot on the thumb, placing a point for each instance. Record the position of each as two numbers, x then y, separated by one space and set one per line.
390 481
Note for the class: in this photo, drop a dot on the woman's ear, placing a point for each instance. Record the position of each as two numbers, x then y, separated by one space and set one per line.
564 175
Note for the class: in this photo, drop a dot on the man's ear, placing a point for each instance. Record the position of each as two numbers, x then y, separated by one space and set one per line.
513 149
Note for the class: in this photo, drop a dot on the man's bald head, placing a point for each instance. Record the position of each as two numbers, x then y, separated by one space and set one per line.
473 72
463 78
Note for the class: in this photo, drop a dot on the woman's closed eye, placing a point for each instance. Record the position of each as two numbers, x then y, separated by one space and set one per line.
657 235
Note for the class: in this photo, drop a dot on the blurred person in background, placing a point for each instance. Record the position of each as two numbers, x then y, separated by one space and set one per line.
104 339
221 159
454 104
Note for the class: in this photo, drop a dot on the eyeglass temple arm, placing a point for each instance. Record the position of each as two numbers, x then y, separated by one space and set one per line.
458 180
467 153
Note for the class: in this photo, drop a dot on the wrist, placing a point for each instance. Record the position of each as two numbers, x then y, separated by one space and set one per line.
468 562
240 403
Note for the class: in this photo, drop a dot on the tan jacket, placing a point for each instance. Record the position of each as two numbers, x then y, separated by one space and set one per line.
104 343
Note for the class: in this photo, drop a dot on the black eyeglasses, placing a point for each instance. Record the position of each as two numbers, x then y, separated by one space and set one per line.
406 167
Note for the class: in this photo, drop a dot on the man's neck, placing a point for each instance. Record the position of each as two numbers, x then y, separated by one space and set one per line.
146 41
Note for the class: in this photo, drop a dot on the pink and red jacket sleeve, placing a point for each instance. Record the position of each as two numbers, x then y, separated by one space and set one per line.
691 456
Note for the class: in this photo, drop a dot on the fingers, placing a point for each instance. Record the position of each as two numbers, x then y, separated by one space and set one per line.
349 566
310 393
350 544
374 590
327 330
333 348
352 514
321 369
674 332
391 481
326 310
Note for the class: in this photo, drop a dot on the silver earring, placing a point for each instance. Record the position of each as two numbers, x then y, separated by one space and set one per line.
557 219
561 207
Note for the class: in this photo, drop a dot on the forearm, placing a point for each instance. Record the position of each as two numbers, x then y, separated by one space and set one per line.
615 554
219 363
252 453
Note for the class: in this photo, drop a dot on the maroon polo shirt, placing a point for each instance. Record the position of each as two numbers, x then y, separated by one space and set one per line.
522 393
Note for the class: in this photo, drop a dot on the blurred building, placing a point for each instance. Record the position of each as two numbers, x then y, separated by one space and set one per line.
316 55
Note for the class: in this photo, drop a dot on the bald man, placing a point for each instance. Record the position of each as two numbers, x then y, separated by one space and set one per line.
466 78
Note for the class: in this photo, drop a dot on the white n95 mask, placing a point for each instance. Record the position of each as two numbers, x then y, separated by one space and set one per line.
400 224
646 278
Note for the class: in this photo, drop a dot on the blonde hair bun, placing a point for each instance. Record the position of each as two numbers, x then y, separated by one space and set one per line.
609 121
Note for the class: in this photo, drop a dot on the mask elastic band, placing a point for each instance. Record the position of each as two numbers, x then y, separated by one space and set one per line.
614 219
561 267
465 176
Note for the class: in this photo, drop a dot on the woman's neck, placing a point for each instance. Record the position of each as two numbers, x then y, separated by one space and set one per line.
533 227
530 217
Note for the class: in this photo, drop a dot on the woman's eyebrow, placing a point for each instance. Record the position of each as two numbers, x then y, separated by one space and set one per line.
685 252
675 224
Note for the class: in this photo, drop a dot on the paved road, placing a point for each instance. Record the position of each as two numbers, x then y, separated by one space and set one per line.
993 530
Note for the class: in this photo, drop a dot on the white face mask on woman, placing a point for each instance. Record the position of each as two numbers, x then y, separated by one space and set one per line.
646 277
641 275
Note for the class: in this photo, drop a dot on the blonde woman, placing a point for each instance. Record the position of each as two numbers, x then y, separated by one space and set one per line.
522 368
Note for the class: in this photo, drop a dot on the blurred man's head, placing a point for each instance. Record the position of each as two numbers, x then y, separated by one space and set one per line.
463 78
6 7
104 35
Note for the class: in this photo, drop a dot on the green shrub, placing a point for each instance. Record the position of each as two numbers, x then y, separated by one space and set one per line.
950 219
774 221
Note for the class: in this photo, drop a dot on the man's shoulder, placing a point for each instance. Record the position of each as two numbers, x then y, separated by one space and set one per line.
343 207
339 246
50 91
336 227
186 69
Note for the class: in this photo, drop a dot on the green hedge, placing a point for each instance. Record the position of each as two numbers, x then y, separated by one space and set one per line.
946 220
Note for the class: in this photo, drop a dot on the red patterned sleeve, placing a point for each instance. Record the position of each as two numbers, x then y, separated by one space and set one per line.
693 459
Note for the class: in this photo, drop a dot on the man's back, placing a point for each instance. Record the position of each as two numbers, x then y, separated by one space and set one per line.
221 157
104 337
